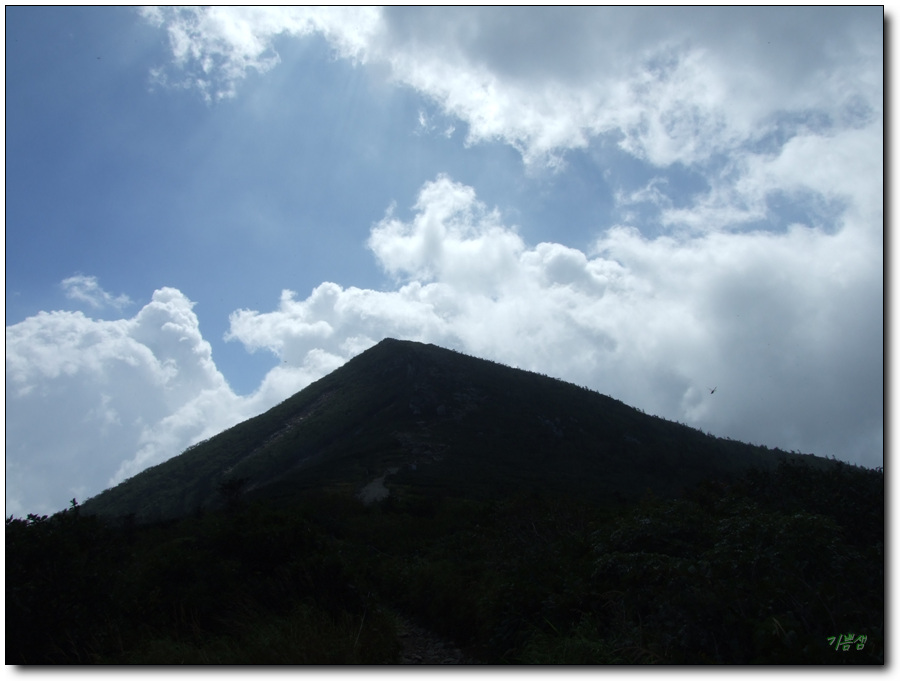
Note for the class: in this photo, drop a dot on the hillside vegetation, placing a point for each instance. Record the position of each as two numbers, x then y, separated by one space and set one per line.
526 520
763 570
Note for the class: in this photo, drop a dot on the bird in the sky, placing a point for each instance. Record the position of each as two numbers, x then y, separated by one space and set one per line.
712 390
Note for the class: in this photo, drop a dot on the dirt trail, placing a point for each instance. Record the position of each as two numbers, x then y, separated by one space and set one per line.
421 646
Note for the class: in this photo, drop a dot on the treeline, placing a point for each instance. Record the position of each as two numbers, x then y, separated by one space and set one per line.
778 567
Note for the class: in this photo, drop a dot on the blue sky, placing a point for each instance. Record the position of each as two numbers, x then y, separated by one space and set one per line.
208 209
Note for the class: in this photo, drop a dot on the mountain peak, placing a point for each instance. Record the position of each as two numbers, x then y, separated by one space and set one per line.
405 415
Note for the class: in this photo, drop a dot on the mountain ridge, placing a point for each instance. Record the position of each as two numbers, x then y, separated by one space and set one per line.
436 421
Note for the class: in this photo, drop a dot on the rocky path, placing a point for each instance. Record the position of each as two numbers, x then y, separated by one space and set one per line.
421 646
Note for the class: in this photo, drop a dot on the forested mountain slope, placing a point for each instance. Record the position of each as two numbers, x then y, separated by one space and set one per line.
409 414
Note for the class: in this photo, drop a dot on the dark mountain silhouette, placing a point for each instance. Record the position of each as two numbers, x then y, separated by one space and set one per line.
410 416
421 506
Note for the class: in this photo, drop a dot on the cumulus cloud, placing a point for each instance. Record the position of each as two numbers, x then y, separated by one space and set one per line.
88 290
91 402
788 325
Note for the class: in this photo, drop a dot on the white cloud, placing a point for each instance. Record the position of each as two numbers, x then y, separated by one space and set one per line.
90 402
787 324
677 84
841 170
757 102
88 290
218 46
452 238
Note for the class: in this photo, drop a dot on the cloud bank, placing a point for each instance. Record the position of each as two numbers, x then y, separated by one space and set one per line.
673 85
784 324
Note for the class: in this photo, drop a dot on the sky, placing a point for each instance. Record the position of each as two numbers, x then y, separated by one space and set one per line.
208 209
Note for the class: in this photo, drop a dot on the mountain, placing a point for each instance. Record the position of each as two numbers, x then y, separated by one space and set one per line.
512 525
406 417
